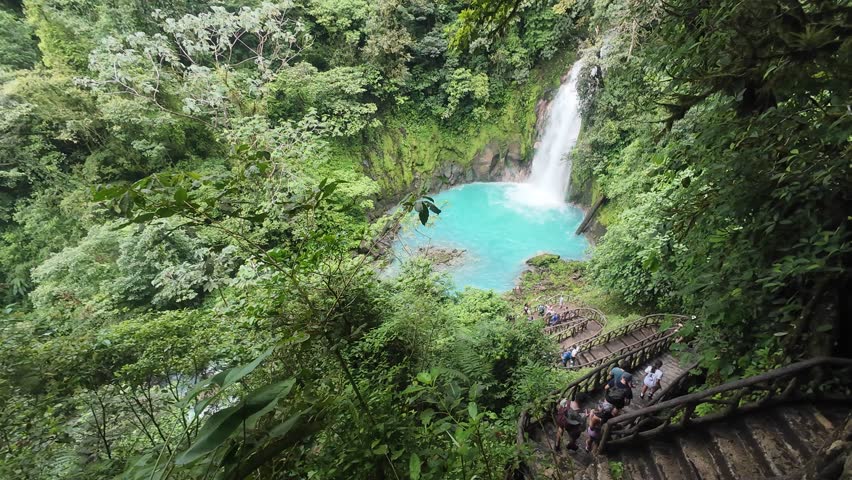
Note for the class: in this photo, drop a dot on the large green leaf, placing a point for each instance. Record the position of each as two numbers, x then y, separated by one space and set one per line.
233 375
264 399
228 377
222 424
284 428
216 430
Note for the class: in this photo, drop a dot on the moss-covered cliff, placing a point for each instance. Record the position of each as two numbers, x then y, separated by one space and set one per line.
411 149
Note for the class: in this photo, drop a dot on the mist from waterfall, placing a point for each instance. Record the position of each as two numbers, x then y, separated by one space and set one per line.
547 184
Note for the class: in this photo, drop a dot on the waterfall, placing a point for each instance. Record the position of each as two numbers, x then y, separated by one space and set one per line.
547 184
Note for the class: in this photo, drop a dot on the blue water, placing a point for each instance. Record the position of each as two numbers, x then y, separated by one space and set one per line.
500 225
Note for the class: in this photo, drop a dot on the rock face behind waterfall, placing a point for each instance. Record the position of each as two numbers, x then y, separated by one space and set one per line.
507 156
499 161
496 162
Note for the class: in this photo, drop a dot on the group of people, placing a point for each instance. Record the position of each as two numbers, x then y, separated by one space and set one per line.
618 394
547 311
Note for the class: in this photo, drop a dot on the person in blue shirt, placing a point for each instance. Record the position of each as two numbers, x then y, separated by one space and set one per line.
616 374
570 355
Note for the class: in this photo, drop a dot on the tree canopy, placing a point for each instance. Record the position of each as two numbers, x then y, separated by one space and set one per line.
194 197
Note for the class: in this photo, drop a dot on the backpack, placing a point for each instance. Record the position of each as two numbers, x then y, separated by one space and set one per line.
569 419
617 392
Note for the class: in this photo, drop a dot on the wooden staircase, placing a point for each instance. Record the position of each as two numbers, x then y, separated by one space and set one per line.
599 347
581 324
614 345
760 445
536 431
763 427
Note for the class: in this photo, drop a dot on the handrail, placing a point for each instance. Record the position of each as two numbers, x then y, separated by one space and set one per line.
599 376
798 381
572 327
578 314
673 386
641 322
636 344
628 360
571 318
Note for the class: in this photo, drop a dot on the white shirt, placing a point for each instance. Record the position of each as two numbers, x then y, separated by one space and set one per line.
652 379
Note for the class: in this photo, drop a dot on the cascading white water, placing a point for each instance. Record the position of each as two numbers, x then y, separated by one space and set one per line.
498 226
547 184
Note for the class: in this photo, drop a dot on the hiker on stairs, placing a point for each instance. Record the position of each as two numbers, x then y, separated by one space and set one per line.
619 392
596 418
570 355
653 378
615 374
568 420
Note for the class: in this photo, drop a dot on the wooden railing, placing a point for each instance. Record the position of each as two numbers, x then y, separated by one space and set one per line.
675 386
578 321
616 353
646 321
598 377
570 319
818 378
629 360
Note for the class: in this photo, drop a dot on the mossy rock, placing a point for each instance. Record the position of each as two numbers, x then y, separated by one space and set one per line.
442 256
543 260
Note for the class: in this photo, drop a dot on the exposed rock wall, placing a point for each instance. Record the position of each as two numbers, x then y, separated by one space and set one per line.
496 162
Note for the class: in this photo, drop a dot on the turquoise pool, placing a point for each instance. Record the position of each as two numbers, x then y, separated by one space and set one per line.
500 225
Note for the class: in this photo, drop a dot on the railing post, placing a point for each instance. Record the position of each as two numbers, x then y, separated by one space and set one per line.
791 386
604 437
736 402
687 414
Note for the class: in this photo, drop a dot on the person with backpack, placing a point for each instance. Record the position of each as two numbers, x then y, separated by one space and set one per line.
554 319
570 355
653 379
568 420
619 393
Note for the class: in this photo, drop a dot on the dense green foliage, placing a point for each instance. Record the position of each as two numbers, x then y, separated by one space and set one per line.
188 193
720 131
186 251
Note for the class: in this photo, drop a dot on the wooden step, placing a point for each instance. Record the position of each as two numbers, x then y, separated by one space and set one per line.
700 451
744 461
832 414
670 459
639 464
779 456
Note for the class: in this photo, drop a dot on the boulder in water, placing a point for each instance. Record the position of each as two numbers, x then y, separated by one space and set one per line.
441 257
543 260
